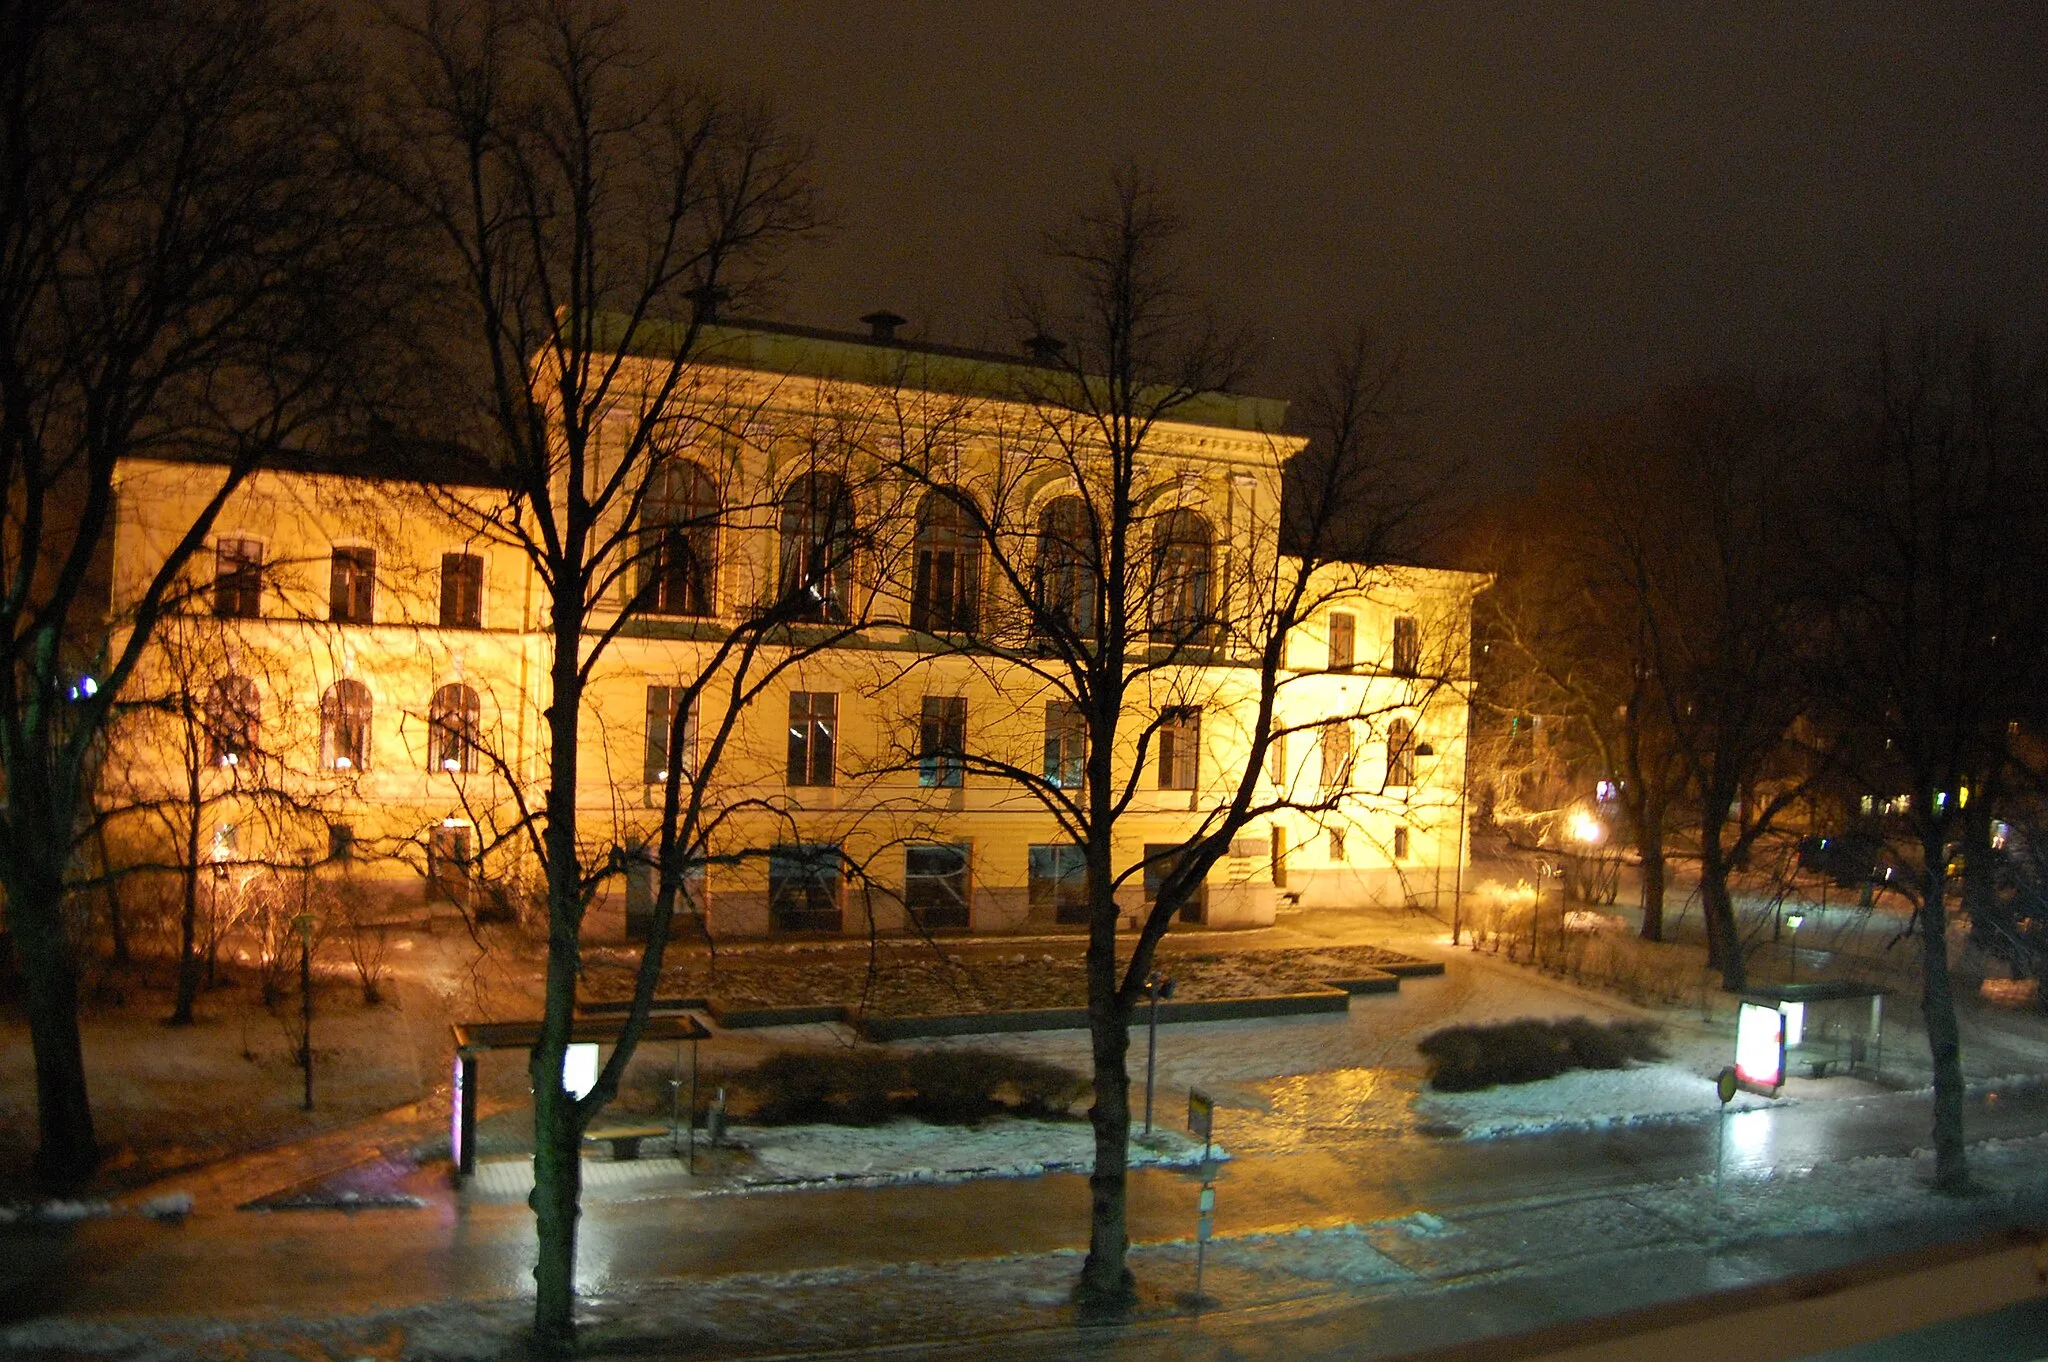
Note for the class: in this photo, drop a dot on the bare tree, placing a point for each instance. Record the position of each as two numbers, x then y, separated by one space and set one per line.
1077 567
580 203
1934 553
186 268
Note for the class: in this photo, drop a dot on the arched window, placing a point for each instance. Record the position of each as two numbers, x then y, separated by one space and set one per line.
345 727
233 711
452 729
817 547
679 542
1182 546
1400 752
944 599
1067 579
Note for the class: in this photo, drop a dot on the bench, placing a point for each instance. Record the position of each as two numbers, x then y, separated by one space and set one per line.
624 1140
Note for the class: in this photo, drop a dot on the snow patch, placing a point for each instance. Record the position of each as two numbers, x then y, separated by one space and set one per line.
1585 1099
789 1157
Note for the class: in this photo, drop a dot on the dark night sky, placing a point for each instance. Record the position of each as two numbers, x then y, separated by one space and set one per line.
1559 204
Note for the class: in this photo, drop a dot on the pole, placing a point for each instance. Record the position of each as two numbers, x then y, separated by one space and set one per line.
693 1106
306 1006
1464 787
305 926
1151 1046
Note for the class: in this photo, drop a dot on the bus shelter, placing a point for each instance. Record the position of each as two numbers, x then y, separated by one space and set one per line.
473 1038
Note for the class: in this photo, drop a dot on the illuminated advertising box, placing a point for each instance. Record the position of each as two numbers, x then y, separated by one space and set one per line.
1760 1048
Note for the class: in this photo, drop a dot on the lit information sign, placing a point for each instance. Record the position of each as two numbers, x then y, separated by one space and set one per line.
1760 1048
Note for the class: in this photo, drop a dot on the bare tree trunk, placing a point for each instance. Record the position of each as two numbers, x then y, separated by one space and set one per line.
1106 1280
1650 850
67 1152
1938 1012
557 1122
1980 887
1724 940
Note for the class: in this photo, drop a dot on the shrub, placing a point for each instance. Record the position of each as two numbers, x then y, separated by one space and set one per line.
1468 1058
867 1087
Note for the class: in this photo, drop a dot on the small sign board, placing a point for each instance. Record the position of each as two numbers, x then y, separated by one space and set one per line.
1760 1049
1201 1113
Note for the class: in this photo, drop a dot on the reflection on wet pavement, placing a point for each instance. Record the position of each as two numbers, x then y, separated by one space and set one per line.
1300 1111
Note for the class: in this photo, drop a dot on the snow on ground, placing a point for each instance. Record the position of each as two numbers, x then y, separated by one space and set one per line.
1585 1099
911 1151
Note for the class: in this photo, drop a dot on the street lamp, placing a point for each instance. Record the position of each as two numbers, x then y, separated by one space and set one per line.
1794 921
1157 986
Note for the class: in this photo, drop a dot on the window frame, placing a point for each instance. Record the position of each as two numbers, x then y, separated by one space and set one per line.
942 742
1343 640
679 524
1066 572
1400 753
1406 647
352 584
340 715
1338 747
945 593
663 702
454 724
1182 607
1065 889
1179 739
1066 745
813 739
232 719
818 537
237 578
950 910
467 584
816 913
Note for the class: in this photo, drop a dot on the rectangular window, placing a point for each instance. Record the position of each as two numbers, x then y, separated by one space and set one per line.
1400 752
1066 744
1337 845
238 579
1276 761
1279 858
1336 745
1180 747
341 842
813 736
1343 640
942 742
803 888
662 704
1161 859
462 591
1407 646
448 864
1400 844
935 885
1059 881
351 597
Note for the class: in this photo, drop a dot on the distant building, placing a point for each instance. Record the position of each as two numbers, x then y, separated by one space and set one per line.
363 677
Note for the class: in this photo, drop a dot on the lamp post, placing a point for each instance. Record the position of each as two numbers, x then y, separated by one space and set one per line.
1157 986
304 924
1794 921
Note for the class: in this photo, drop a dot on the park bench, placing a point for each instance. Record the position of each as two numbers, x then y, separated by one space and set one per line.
624 1140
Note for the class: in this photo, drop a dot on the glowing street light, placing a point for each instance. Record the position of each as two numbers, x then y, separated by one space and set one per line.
1586 828
1795 921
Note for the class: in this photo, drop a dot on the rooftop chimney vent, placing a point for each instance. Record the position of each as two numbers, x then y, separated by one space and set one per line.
708 301
882 325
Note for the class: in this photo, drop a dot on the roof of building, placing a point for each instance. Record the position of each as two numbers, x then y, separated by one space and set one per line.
814 352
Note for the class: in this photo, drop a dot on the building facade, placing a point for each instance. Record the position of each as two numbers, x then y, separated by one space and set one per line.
357 678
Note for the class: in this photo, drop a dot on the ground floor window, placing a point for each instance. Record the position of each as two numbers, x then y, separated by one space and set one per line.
1059 881
935 885
1160 860
804 888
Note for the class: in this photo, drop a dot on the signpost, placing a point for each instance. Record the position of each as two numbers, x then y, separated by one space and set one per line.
1725 1087
1202 1122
